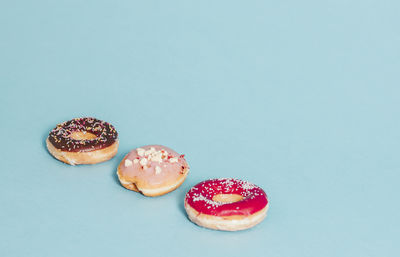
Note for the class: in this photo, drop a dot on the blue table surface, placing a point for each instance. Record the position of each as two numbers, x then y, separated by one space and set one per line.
299 97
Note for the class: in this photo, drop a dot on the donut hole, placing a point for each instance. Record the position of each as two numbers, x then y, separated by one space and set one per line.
82 135
227 198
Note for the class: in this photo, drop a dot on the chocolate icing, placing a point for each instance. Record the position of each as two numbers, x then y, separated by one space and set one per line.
61 138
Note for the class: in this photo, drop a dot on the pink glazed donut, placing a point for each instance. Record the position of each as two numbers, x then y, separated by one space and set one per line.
226 204
152 170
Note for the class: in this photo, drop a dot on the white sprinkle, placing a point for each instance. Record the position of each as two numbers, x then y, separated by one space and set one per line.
143 161
149 152
158 170
156 157
172 160
140 151
135 161
128 163
247 186
200 197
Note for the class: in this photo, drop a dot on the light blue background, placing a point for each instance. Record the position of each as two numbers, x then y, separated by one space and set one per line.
299 97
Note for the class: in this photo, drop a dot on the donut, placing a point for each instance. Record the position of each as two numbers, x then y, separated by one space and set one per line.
226 204
83 141
152 170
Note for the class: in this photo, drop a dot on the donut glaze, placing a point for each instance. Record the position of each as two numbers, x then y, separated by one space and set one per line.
152 170
200 197
105 135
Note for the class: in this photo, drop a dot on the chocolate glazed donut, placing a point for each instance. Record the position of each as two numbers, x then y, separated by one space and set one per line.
83 141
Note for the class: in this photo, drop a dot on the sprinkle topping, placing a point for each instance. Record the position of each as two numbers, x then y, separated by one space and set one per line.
61 136
128 163
200 197
153 155
153 167
172 160
143 162
140 151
